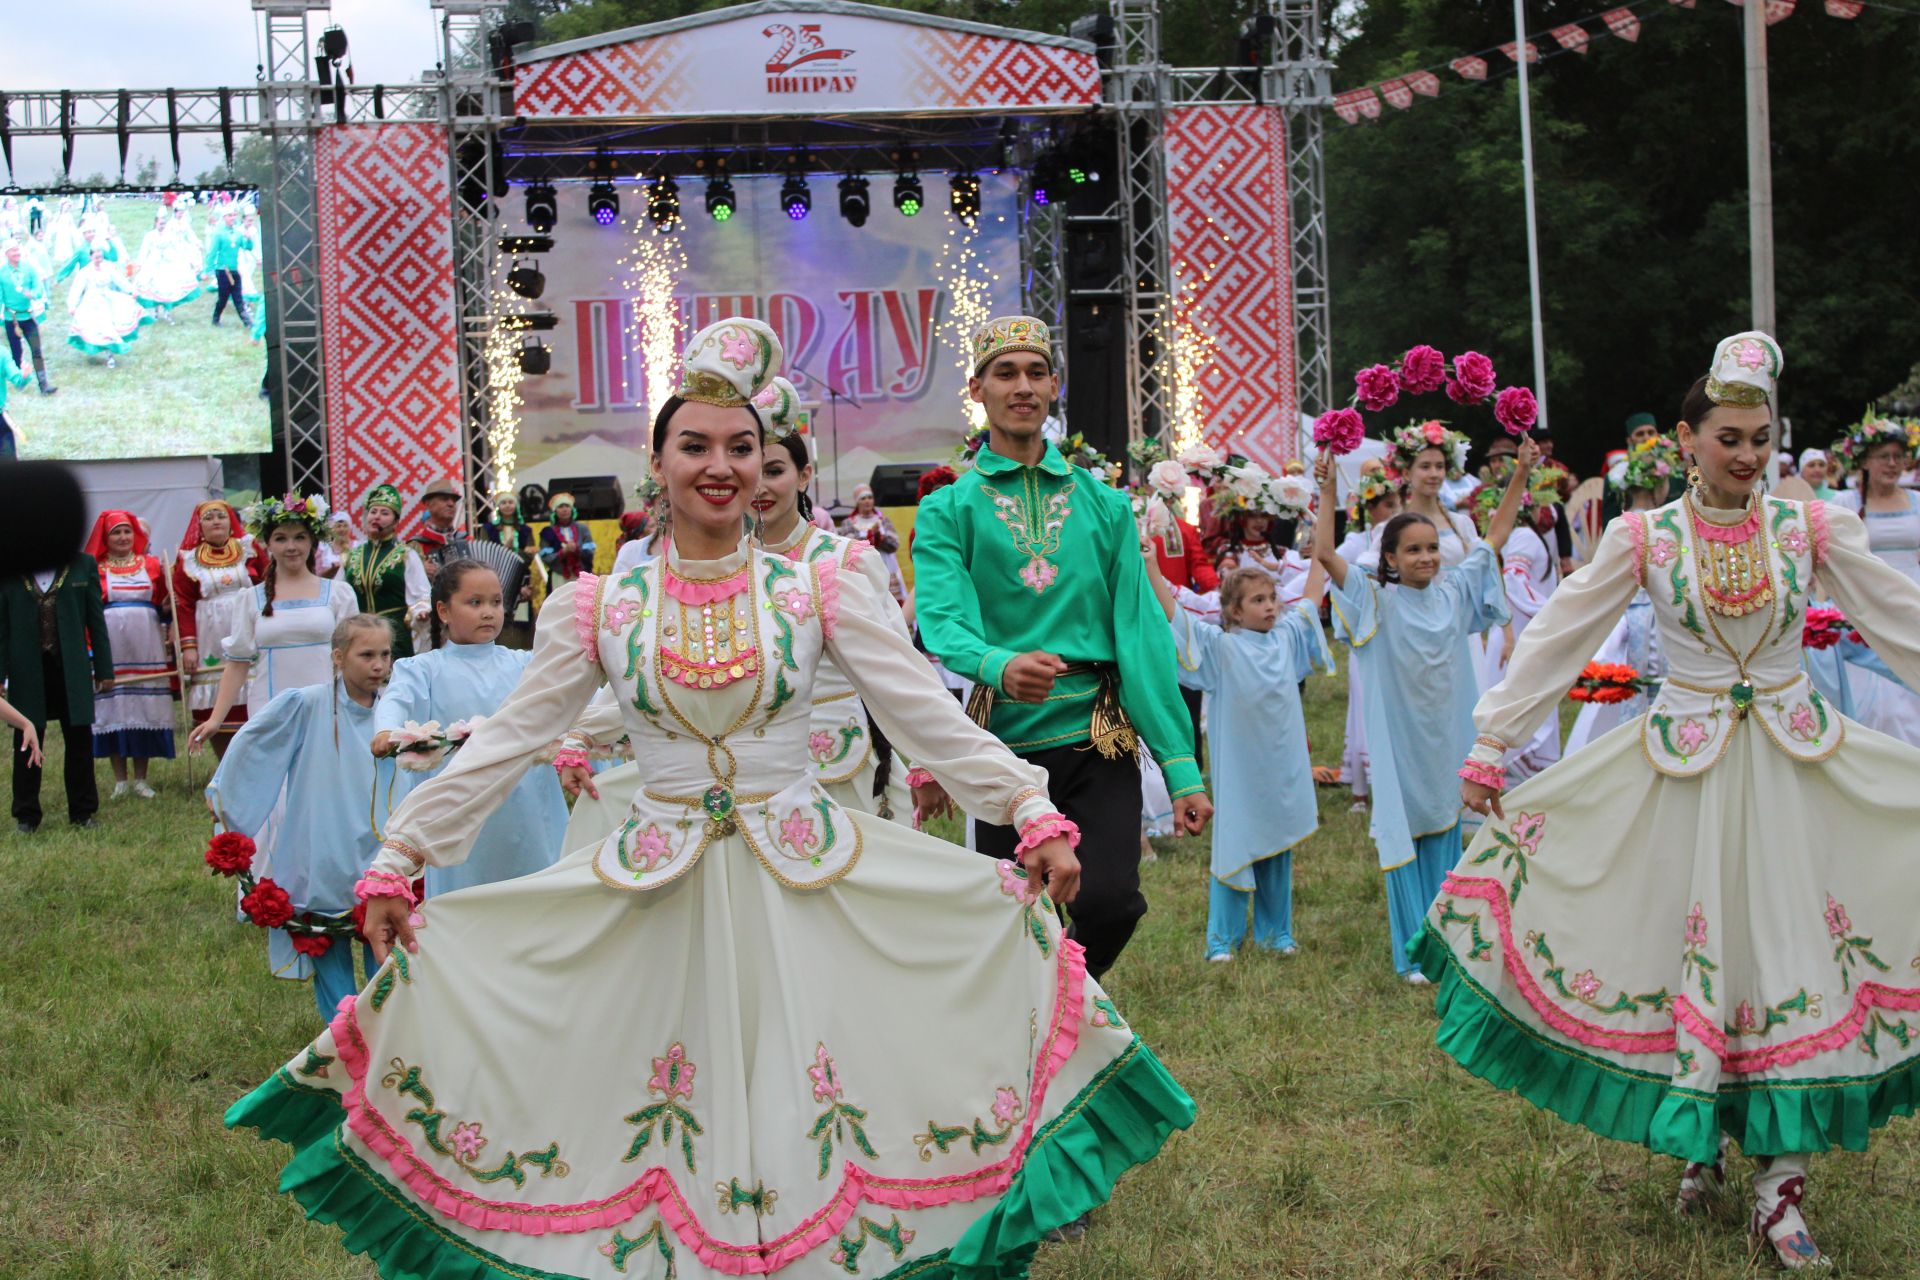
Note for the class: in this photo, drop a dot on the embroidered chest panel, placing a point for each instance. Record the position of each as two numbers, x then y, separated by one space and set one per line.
1035 520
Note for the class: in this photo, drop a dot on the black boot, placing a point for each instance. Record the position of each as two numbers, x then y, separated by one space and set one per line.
46 388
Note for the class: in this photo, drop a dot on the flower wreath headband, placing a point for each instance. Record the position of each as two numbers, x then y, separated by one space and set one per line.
1238 484
265 515
1468 378
1870 431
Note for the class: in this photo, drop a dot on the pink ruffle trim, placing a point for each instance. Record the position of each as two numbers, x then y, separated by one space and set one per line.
703 592
1043 828
856 548
1817 524
384 884
571 760
918 777
1867 997
586 614
1484 774
827 575
657 1187
1637 530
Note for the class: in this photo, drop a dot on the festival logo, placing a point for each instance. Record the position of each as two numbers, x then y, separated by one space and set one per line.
803 47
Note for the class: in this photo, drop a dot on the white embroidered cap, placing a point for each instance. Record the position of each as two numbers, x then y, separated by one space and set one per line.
1745 367
729 362
778 405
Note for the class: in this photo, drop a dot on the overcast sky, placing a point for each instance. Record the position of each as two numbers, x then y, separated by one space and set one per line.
185 44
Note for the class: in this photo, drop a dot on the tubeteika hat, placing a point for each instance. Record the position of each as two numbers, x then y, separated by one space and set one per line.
996 338
385 495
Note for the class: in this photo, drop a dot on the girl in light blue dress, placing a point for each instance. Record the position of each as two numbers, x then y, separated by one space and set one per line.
469 676
1251 668
1408 624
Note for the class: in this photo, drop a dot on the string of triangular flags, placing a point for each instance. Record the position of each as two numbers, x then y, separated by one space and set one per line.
1623 23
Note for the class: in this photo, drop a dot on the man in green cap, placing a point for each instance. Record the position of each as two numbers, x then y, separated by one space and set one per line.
385 573
1640 427
1030 581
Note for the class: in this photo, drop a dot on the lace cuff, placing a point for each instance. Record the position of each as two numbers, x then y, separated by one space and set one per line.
1484 774
384 884
1039 830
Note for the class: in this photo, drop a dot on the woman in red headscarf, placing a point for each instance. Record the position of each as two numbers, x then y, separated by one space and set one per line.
133 723
218 564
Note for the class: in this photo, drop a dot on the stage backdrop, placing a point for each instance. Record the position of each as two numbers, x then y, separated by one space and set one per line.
869 310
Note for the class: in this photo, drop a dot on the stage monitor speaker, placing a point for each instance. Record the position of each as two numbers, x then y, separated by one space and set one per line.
1096 366
897 484
595 497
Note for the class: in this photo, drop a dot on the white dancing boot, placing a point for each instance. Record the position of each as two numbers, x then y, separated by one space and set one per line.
1700 1183
1779 1183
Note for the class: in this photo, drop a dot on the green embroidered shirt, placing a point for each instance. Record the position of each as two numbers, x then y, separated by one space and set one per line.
1016 558
20 288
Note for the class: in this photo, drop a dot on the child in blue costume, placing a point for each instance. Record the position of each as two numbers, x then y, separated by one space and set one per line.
310 744
1408 625
466 677
1251 669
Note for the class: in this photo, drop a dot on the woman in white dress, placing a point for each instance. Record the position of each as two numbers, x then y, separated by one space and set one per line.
216 567
1425 456
752 1032
867 521
162 279
1700 927
1878 449
104 315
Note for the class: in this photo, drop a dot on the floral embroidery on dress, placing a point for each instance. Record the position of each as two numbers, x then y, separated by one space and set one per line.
780 569
734 1197
1514 846
1747 1021
672 1080
1587 986
1450 913
1665 551
1102 1012
828 748
467 1139
797 603
840 1118
639 853
397 970
1850 948
621 1246
316 1064
1669 520
1034 521
620 613
797 833
1015 883
895 1237
1695 956
1007 1112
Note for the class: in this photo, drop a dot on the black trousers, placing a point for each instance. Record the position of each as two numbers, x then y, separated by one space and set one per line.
1192 697
83 796
1102 797
29 330
229 282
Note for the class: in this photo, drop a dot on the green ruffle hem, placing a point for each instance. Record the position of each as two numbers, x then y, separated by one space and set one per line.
1121 1119
1766 1117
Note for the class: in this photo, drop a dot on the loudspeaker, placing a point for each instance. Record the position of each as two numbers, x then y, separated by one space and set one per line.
897 484
1096 366
595 497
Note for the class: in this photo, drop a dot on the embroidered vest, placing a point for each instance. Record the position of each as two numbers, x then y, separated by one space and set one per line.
772 798
1704 701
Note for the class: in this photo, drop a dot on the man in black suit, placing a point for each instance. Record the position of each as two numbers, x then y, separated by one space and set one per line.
53 659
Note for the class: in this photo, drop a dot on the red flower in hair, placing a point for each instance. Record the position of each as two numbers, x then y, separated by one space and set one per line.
268 905
312 944
229 853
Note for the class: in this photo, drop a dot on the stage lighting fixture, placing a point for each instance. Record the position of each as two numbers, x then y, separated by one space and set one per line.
663 204
965 197
603 202
530 246
535 357
854 201
543 207
1046 182
528 282
720 198
794 196
907 194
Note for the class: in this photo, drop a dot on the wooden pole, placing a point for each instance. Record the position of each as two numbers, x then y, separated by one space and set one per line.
1533 230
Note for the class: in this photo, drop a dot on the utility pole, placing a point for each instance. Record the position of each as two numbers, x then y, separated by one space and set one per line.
1533 231
1759 166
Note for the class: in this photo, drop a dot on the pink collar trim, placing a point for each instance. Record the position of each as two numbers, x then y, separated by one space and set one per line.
687 591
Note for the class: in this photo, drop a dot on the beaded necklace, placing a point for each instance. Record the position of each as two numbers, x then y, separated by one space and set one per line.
1735 577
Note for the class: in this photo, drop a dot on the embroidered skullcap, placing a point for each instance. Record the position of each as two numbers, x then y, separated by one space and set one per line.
1637 420
556 500
385 495
778 405
729 363
1745 367
1010 333
1812 455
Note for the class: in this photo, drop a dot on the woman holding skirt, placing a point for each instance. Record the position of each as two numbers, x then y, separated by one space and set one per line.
1705 925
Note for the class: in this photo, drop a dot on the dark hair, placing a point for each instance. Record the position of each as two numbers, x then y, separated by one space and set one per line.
667 411
445 583
1390 542
797 450
1695 406
273 562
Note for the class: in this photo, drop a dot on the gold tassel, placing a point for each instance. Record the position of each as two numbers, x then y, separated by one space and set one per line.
1111 731
980 705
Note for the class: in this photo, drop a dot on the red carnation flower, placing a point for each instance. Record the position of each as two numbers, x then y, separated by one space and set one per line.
1472 380
1516 410
1422 369
1378 387
230 853
268 905
312 944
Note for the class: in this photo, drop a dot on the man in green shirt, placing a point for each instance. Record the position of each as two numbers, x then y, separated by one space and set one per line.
223 263
1029 580
23 305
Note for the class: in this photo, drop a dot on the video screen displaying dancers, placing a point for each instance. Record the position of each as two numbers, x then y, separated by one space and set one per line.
135 325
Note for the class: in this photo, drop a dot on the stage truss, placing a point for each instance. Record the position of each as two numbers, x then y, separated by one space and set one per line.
467 100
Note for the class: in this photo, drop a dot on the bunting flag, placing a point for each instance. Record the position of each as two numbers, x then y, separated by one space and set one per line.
1354 103
1470 68
1572 37
1427 84
1510 48
1844 8
1397 92
1623 24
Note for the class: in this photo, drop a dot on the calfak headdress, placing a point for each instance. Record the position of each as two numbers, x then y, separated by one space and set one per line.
778 405
729 363
1010 333
1745 367
385 495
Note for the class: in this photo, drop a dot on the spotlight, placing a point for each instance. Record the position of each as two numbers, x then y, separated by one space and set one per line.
1046 180
529 245
907 194
603 202
535 357
333 43
528 282
854 201
663 204
543 207
965 197
794 196
720 198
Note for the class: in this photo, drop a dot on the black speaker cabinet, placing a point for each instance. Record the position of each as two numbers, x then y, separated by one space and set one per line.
595 497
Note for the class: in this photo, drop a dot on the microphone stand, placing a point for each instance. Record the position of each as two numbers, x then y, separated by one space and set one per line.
834 395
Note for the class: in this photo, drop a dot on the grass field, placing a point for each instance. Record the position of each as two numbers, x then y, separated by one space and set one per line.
183 388
1334 1140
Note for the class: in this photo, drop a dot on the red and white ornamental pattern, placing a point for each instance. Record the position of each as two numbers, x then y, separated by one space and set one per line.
1229 235
387 308
962 70
637 78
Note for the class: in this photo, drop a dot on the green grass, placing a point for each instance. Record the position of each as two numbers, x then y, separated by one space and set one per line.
183 388
1334 1140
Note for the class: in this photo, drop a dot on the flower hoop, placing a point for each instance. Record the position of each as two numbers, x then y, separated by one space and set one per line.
267 905
1468 379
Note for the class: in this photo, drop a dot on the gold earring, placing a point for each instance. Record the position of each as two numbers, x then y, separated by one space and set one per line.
1693 479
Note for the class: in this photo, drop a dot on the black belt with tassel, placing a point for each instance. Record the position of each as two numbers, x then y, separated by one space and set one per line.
1110 731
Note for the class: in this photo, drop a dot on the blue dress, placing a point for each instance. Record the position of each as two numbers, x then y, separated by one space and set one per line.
309 747
1410 647
459 682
